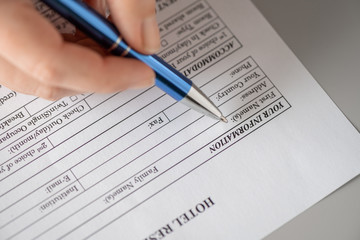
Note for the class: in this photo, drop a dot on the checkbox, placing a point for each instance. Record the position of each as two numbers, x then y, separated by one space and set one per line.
164 43
73 98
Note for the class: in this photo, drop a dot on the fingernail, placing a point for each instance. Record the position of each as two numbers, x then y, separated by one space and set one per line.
151 38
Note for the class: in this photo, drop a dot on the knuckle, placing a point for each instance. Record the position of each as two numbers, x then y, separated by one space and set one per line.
48 93
110 86
151 6
147 8
106 87
45 73
138 8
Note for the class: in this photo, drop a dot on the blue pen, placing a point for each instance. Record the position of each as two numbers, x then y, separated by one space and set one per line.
106 34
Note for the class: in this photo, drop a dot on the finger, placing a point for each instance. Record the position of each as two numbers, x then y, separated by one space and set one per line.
98 5
136 20
80 38
101 7
56 63
93 72
13 78
87 42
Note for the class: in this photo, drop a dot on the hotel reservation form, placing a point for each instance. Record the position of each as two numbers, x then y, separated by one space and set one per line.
138 165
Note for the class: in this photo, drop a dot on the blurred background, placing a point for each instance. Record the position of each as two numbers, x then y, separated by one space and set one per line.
325 36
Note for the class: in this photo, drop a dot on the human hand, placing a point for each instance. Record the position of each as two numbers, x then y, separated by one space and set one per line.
35 59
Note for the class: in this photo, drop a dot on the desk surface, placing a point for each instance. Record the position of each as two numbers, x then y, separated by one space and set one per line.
325 36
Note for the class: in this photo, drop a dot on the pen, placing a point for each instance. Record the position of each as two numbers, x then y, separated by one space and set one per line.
97 27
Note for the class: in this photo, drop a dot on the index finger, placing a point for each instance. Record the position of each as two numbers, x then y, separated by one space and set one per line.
136 20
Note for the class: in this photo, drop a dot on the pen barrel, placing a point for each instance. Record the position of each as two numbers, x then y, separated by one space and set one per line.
106 34
167 78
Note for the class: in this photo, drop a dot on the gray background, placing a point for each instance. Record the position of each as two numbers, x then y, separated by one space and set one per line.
325 36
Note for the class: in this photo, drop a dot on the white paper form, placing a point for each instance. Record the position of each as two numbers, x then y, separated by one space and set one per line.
137 165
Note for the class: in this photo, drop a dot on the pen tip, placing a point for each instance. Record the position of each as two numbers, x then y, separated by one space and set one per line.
223 119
